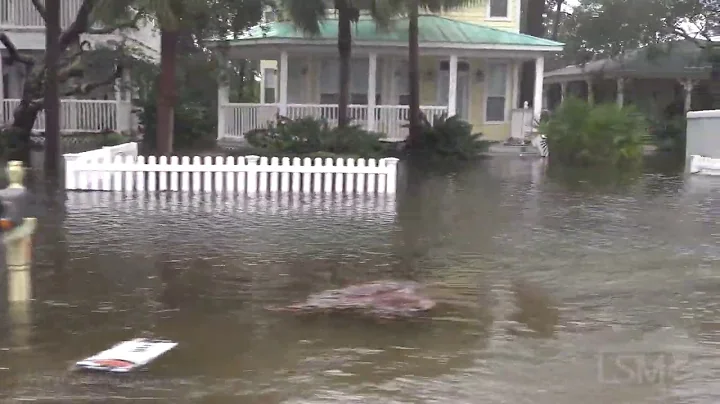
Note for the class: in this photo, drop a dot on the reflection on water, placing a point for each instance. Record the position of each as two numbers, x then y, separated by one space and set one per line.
536 273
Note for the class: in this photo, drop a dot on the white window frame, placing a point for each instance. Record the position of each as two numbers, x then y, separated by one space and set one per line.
506 17
508 89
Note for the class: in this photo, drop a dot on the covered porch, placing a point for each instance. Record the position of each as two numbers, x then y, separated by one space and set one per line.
465 69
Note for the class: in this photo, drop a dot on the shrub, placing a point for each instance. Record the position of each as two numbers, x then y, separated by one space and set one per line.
582 134
194 125
309 135
112 139
447 138
669 134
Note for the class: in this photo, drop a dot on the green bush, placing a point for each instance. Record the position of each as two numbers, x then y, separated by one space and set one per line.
112 139
448 138
194 125
579 133
669 134
312 136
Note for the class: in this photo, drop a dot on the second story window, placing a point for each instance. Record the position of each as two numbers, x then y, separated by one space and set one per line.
269 15
498 8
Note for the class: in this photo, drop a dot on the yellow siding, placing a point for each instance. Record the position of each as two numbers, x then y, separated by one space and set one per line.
477 15
428 96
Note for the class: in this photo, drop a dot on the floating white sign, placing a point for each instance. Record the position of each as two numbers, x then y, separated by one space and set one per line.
127 356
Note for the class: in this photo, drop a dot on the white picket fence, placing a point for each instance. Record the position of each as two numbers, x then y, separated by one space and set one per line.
230 175
704 165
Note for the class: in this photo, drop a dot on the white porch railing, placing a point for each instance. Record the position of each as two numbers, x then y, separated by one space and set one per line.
22 14
89 116
241 118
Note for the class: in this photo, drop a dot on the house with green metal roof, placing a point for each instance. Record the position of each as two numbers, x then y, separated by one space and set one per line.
470 66
670 79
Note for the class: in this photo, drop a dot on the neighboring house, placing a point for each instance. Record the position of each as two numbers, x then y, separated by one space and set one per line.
108 109
470 66
661 82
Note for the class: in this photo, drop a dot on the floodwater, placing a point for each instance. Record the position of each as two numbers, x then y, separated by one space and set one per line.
554 289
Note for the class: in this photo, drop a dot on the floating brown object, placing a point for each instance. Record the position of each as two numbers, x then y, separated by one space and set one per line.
387 299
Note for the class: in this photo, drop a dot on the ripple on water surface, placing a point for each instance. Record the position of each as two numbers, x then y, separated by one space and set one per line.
537 279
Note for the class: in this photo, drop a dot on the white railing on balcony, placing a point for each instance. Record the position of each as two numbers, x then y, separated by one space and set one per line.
80 116
391 120
22 13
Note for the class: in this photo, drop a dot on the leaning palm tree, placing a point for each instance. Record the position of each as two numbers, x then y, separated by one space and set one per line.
308 15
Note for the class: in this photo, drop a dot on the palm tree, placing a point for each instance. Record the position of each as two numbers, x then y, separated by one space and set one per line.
413 10
308 15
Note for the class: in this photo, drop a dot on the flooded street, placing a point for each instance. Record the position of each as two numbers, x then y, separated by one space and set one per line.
550 290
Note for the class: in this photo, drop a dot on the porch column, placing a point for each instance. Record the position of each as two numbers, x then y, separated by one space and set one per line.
590 91
620 92
2 88
538 90
283 82
222 101
452 86
516 72
563 91
372 88
688 86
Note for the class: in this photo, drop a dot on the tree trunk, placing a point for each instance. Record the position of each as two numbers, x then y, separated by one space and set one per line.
24 118
558 18
414 72
52 95
166 92
345 51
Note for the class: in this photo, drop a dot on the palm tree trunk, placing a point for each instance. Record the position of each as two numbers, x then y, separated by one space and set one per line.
52 95
166 92
414 72
345 50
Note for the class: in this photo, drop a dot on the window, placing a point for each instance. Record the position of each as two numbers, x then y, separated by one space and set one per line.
269 15
330 81
498 8
270 79
496 92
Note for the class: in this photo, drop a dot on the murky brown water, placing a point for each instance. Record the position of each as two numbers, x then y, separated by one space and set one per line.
540 280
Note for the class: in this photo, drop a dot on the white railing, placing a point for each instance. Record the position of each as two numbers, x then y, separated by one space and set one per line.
22 14
249 174
80 116
391 120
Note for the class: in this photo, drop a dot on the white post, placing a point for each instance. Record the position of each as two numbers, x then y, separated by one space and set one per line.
516 71
252 174
620 92
688 86
563 91
391 178
283 82
452 86
223 100
262 83
590 91
2 88
538 90
371 92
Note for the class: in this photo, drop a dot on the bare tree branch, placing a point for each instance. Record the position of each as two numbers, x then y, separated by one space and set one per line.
87 88
13 52
118 26
79 26
40 7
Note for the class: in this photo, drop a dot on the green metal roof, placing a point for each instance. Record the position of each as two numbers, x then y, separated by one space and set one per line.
432 29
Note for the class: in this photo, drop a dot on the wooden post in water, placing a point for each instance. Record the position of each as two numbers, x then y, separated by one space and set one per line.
17 235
